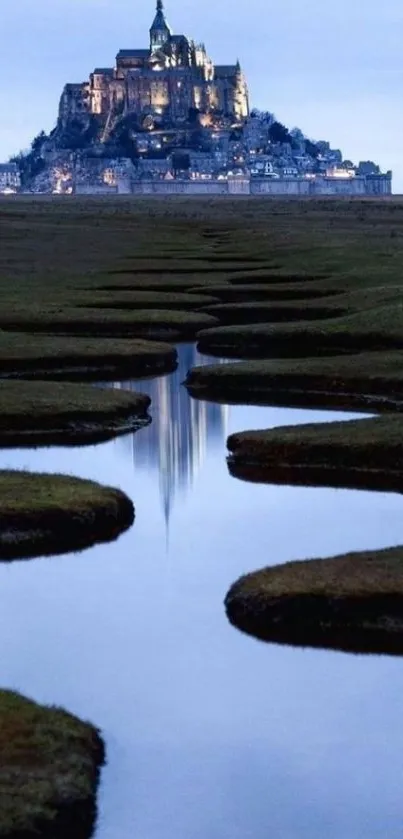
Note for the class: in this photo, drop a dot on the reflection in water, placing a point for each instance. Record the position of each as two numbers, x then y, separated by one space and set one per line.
182 429
209 734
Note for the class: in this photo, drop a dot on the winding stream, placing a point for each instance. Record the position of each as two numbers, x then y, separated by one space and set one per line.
210 734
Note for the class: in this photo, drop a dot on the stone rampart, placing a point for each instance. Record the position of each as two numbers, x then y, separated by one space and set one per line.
370 185
95 189
180 187
279 186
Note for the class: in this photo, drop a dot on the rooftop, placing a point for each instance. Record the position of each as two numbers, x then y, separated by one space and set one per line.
133 53
226 69
178 38
8 167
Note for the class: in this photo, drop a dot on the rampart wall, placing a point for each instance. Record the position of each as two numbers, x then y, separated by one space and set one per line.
373 185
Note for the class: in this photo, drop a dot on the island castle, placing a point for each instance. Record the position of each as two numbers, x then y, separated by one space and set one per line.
166 119
170 82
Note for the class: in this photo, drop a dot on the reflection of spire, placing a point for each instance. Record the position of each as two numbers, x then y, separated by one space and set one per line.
182 429
167 514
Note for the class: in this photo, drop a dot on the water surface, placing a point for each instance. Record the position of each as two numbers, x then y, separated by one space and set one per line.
210 734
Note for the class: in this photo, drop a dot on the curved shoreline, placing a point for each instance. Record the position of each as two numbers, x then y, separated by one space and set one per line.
82 359
363 453
351 603
34 413
110 323
75 433
296 398
364 382
46 514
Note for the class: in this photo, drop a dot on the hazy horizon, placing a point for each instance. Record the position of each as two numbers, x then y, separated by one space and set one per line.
333 72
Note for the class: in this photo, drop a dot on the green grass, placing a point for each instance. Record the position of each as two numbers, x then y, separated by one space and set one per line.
52 514
44 413
49 771
365 381
352 602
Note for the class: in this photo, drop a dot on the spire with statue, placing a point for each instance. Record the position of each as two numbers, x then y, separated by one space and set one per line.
160 31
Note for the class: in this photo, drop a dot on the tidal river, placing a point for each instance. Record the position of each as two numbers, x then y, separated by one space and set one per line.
210 734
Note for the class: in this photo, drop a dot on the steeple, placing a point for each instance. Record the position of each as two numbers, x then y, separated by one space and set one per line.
160 31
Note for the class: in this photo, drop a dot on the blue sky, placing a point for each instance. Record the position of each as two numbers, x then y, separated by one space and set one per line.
333 69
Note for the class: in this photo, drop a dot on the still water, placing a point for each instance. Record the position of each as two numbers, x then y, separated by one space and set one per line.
210 734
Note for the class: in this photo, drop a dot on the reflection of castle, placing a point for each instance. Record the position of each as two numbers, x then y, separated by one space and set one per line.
181 430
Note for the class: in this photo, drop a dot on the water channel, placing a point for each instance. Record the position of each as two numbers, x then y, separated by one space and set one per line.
210 734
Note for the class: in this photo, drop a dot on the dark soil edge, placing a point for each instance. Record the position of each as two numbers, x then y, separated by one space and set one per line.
302 345
73 433
384 401
319 475
372 625
27 536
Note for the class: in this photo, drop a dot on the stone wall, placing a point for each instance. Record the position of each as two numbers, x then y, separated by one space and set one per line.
279 186
180 187
373 185
95 189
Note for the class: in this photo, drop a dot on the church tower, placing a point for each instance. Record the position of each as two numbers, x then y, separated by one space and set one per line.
160 31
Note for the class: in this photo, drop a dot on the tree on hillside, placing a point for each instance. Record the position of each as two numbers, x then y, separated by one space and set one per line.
30 162
311 148
368 167
278 133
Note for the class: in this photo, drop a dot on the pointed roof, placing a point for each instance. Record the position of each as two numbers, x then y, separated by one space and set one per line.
225 70
160 23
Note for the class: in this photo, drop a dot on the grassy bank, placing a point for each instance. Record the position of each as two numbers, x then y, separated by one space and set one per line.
365 454
238 314
138 300
45 413
230 293
49 771
374 329
31 355
96 322
352 602
52 514
365 381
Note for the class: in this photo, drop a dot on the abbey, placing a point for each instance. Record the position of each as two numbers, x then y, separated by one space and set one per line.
166 119
170 82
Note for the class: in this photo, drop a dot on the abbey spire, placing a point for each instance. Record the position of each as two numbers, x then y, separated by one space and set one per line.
160 31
